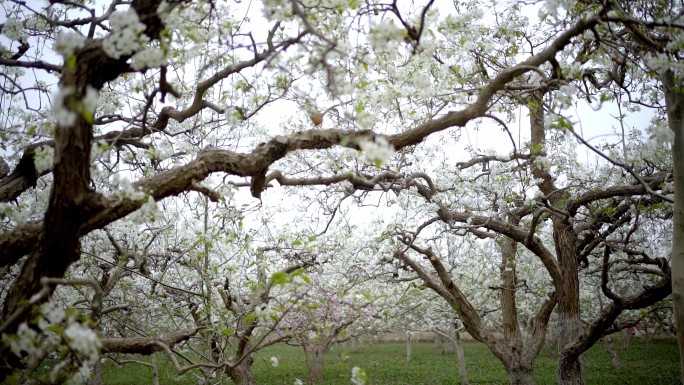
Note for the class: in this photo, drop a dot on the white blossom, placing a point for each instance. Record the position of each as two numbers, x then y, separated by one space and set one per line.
64 116
14 30
83 340
37 24
658 63
151 57
126 34
365 120
90 101
43 158
377 152
297 381
565 94
81 376
421 81
67 43
358 376
66 110
542 162
274 362
53 313
384 36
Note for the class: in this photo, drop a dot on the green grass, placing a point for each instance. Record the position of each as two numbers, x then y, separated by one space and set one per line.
655 363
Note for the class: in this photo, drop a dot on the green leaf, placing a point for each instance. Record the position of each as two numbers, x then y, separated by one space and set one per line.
250 317
279 278
71 62
226 332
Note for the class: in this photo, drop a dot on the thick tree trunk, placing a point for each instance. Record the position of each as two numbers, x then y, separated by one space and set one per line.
521 375
241 374
315 357
674 100
570 368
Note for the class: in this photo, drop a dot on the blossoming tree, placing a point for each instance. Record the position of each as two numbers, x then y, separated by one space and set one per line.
135 108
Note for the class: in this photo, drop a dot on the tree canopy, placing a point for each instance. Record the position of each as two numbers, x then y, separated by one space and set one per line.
207 178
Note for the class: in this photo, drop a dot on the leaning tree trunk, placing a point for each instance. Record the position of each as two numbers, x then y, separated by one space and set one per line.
674 100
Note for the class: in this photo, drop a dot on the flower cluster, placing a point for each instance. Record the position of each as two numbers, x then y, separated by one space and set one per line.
66 110
14 30
43 158
264 312
385 36
151 57
377 152
126 34
358 376
83 340
64 116
52 335
565 94
67 43
26 341
274 361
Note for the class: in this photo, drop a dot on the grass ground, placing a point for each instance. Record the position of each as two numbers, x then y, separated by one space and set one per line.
655 363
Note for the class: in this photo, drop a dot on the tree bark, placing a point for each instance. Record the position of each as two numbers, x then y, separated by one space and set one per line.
570 367
315 361
155 370
610 349
674 100
521 375
460 356
241 373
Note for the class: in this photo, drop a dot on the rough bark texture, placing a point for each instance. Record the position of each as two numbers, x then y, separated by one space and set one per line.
144 345
674 98
570 369
71 200
315 363
241 374
520 375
